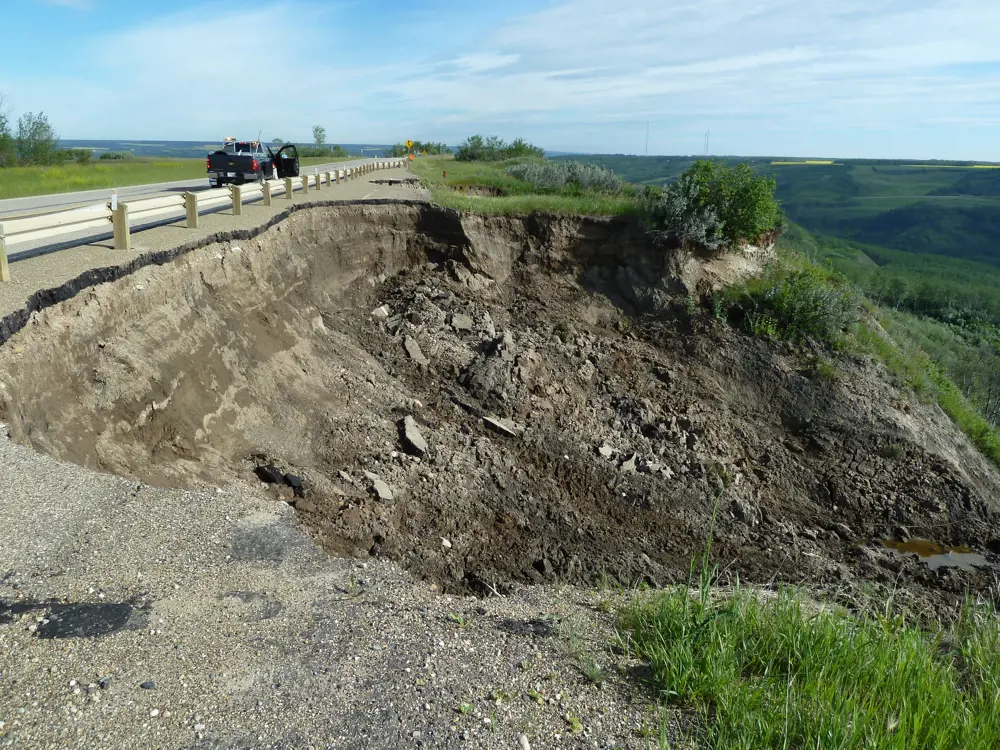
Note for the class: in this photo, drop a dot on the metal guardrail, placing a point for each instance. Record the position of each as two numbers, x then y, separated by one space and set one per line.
121 215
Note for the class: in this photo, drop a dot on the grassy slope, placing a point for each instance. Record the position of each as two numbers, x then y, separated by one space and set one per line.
514 196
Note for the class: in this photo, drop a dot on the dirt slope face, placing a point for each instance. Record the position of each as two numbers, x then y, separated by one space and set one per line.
554 431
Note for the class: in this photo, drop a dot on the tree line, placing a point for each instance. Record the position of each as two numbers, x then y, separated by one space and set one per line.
33 141
419 147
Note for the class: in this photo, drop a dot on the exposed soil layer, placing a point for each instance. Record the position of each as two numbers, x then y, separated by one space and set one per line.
559 430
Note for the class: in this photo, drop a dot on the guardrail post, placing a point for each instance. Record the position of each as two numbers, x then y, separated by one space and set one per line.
191 208
288 188
338 176
329 181
237 193
266 187
305 184
123 236
4 268
319 184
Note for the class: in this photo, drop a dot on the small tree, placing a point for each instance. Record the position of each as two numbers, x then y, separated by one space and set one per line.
277 142
37 142
8 148
319 135
717 207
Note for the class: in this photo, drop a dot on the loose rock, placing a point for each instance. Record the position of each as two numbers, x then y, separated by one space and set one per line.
381 312
379 486
148 685
412 439
461 323
503 426
413 350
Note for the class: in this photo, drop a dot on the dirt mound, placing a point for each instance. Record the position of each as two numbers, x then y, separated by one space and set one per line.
484 400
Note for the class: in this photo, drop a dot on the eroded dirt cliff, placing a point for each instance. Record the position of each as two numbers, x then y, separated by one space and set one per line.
573 422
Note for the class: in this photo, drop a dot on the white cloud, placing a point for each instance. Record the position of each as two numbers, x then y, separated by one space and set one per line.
730 64
576 74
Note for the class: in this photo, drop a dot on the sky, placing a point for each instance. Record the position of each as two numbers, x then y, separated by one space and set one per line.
850 78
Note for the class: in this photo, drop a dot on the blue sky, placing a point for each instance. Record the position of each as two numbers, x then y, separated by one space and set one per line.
875 78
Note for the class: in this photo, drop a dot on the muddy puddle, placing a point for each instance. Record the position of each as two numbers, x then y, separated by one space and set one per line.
935 555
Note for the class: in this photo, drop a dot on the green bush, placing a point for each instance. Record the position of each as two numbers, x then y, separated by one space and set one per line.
36 141
493 148
116 156
567 175
717 206
795 303
419 147
82 155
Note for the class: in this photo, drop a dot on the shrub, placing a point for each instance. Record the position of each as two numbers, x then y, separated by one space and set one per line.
683 211
493 148
715 206
8 147
567 174
116 156
82 155
36 141
807 302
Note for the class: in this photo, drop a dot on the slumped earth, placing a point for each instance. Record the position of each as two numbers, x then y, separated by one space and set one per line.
568 422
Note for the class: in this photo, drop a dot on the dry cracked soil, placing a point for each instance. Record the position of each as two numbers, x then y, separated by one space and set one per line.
387 469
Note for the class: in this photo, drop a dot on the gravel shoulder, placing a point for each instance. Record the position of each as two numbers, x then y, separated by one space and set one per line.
256 639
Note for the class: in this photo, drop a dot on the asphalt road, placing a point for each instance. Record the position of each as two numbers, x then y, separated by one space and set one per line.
36 204
42 204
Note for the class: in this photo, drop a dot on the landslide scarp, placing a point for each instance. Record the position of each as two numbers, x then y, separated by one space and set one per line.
576 424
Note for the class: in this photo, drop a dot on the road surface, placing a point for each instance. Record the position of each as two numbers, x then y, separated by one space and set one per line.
36 204
43 204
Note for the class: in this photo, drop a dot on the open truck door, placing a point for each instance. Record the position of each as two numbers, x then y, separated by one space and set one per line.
287 160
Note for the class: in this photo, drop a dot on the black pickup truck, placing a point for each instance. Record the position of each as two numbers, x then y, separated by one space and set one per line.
238 162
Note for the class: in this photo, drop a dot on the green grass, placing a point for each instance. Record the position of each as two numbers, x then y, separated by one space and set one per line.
514 197
761 671
511 205
18 182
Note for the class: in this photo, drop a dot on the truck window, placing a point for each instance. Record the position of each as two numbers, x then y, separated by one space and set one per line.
238 147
